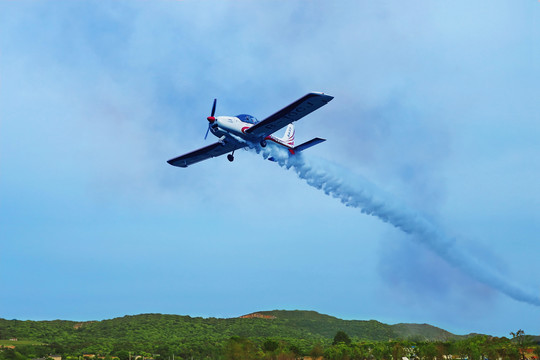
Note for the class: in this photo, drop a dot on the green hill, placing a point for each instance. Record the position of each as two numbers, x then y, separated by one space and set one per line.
158 328
422 332
327 326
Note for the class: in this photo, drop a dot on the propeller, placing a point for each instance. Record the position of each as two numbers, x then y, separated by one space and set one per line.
211 119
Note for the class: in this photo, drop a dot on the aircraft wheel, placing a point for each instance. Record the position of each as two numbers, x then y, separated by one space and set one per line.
230 157
263 143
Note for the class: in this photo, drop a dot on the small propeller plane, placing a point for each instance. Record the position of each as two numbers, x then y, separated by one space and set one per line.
236 132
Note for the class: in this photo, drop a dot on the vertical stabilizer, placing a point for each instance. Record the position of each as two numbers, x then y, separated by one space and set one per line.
288 138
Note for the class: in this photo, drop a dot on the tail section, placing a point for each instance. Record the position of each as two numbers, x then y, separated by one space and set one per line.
288 141
288 138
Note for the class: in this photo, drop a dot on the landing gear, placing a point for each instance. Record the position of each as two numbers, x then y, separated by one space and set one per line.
230 157
263 143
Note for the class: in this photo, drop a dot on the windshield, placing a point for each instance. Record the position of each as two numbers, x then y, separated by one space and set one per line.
247 118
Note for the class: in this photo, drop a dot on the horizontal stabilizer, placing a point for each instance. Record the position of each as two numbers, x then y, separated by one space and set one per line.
308 144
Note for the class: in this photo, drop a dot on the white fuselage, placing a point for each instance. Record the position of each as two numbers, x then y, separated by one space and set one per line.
231 126
227 125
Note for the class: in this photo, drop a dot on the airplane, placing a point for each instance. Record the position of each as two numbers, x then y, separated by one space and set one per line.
241 131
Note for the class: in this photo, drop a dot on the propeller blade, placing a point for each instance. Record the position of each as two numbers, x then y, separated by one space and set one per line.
214 108
211 118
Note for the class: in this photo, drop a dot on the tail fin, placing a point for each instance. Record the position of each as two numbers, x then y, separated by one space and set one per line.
288 138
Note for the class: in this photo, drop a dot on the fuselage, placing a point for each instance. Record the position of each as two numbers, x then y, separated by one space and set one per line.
236 126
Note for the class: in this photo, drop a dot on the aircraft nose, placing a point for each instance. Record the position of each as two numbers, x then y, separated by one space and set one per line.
211 119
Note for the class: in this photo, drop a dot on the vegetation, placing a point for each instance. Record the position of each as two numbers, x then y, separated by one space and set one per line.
341 337
272 335
18 343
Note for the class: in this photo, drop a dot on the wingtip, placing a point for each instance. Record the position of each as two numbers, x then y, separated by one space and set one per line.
320 93
173 163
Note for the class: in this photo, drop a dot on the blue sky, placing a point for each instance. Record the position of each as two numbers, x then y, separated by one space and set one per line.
436 103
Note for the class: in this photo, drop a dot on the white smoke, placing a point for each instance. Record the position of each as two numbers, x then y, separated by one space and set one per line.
356 191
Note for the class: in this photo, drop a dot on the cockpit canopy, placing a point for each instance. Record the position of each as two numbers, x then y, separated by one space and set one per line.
247 118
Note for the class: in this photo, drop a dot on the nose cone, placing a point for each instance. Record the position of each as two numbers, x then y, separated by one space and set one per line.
211 119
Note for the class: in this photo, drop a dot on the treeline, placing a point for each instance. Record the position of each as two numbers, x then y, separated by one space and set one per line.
480 347
341 348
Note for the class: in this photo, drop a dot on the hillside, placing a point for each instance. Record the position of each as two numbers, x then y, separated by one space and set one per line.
327 326
158 328
422 332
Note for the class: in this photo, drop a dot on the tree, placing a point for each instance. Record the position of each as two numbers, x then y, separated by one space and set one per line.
460 348
316 352
381 351
397 351
295 350
339 351
238 348
270 345
11 354
123 355
522 342
341 337
442 349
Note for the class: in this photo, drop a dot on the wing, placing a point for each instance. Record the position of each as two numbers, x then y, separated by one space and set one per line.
287 115
207 152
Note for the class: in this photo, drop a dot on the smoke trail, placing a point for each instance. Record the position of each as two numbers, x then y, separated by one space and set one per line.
356 191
